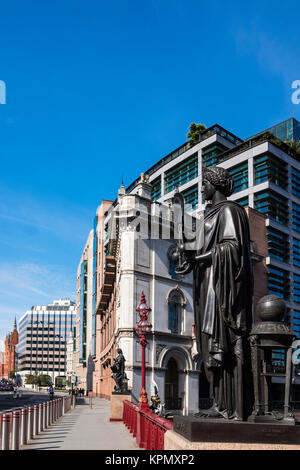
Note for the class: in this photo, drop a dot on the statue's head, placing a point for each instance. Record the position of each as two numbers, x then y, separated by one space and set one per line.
219 178
119 351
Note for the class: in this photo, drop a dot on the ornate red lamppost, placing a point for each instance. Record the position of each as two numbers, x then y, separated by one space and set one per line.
143 328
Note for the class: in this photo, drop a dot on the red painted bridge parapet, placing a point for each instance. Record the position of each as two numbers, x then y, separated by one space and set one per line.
146 427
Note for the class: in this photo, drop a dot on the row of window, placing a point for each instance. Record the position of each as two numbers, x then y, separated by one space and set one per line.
61 342
279 284
266 168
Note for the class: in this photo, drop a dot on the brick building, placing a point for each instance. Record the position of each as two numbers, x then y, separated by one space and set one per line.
9 364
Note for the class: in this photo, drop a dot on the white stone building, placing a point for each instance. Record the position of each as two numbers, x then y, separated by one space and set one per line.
143 265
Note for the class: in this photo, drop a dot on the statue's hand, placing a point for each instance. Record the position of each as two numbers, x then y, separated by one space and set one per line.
184 268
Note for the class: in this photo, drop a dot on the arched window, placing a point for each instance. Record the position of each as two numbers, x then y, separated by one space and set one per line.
176 302
172 264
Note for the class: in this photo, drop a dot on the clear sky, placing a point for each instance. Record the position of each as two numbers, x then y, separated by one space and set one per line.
98 90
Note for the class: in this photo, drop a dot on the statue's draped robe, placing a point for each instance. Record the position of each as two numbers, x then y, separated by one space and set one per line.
223 313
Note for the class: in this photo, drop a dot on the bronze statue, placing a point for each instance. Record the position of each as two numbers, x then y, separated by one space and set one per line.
119 375
222 275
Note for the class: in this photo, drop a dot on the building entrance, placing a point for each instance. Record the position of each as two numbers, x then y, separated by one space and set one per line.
172 400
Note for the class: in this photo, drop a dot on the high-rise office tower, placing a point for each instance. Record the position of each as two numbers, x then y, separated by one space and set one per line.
43 333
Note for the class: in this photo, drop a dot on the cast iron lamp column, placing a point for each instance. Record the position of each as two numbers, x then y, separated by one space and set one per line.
143 328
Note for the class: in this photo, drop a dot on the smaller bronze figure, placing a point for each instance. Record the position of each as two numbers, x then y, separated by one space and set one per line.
118 373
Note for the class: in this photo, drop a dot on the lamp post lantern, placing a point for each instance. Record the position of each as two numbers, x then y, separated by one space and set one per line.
143 328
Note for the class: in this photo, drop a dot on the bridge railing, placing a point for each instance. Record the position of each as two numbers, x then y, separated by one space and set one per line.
147 427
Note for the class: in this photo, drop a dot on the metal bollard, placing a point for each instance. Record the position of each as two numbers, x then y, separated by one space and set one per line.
49 413
63 406
41 416
36 420
15 441
30 422
59 408
5 430
24 426
53 411
45 415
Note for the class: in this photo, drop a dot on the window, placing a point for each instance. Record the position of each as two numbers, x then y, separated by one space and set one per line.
278 281
156 188
182 173
210 154
295 186
296 217
278 245
240 177
244 202
173 317
296 252
273 206
296 323
176 302
270 168
296 290
191 198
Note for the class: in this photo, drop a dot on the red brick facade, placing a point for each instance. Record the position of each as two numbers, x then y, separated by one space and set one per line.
10 353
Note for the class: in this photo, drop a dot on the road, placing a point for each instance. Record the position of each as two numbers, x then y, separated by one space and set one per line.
29 398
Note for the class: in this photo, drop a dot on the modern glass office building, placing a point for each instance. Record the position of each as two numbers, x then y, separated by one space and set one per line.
266 174
43 333
286 130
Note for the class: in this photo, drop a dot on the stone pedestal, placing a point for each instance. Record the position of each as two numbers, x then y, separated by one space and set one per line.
207 433
116 405
174 441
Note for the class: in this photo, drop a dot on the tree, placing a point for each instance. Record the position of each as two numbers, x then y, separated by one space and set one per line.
194 132
30 379
294 144
44 380
12 374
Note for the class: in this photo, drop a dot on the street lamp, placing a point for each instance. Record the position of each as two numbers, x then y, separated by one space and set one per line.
143 328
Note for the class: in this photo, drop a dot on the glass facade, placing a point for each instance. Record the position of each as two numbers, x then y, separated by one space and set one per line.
244 202
156 188
278 245
95 266
286 130
239 175
191 198
210 154
295 182
296 217
296 290
278 282
181 173
273 206
296 252
270 168
296 323
83 311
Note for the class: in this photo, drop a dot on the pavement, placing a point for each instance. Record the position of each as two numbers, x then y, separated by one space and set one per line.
85 428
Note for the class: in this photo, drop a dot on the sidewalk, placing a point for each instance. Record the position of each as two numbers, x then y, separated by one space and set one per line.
84 428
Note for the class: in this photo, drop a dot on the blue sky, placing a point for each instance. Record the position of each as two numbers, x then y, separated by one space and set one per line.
99 90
